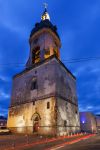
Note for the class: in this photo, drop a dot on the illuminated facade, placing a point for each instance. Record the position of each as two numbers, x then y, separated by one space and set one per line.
44 99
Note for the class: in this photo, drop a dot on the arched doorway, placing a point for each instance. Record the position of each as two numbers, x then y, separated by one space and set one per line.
36 122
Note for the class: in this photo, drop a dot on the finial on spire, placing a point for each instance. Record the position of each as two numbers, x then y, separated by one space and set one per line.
45 15
45 5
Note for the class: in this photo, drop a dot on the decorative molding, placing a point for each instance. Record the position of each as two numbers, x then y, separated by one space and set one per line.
44 97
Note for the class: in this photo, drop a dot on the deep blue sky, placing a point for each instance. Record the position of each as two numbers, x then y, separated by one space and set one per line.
78 23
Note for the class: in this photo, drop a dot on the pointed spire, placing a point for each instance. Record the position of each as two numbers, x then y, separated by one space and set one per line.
45 15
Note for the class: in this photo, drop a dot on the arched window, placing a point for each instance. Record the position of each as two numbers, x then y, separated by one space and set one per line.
47 53
36 118
48 105
55 51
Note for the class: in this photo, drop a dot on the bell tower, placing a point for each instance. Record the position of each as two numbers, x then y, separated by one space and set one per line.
44 41
44 99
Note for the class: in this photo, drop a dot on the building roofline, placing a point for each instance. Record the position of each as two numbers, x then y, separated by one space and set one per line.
42 62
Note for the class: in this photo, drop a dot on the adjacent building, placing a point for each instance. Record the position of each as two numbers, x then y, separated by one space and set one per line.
88 122
98 123
3 122
44 98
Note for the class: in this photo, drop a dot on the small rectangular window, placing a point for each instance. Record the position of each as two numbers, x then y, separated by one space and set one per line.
34 85
65 123
33 102
48 105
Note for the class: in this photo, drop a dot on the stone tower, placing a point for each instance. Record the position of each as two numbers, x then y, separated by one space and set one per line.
44 99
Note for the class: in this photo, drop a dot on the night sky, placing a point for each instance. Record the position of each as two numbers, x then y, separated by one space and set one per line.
78 23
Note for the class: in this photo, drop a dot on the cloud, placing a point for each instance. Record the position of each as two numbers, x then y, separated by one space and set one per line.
4 78
89 108
68 38
4 95
79 29
22 31
10 20
3 112
87 67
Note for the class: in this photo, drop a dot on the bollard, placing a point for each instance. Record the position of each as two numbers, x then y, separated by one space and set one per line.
27 139
13 145
41 137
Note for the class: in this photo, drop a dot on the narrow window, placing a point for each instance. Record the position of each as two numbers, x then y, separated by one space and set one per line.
36 54
48 105
55 51
33 102
47 53
34 85
66 105
65 123
35 71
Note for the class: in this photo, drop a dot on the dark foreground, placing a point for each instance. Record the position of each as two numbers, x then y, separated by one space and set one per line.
75 142
92 143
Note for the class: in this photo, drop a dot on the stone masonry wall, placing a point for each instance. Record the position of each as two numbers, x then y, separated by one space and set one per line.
21 118
45 77
67 118
53 80
67 104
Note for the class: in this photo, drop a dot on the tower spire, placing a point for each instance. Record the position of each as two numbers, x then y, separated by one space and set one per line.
45 15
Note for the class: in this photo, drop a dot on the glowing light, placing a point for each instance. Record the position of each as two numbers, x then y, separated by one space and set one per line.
20 124
45 14
83 122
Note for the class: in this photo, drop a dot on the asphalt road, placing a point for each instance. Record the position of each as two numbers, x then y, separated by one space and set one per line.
92 143
6 142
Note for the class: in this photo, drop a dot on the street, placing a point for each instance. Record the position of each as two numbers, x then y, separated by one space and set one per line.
92 143
74 142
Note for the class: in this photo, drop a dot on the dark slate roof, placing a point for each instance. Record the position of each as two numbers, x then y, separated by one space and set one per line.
39 63
44 24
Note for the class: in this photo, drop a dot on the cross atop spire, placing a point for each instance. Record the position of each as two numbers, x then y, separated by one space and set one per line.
45 5
45 15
